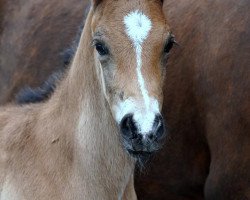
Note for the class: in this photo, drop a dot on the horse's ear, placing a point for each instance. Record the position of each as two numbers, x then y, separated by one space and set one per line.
95 3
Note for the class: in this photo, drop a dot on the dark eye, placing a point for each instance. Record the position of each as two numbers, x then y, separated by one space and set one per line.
168 46
102 50
170 43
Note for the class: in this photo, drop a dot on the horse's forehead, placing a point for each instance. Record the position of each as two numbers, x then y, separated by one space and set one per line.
113 13
136 24
129 27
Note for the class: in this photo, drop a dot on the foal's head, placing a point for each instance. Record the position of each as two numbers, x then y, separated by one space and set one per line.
132 41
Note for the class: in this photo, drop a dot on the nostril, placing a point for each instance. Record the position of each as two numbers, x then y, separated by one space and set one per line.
160 131
158 119
128 126
158 126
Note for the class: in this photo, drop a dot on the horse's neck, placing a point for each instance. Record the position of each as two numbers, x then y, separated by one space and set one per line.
80 95
84 94
95 137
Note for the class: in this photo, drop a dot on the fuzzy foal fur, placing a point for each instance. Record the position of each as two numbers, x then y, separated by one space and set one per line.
68 147
42 156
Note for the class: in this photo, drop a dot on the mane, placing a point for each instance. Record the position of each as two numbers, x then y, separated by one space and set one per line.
35 95
42 93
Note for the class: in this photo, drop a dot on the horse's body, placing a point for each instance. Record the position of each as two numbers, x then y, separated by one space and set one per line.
83 142
41 158
206 100
207 104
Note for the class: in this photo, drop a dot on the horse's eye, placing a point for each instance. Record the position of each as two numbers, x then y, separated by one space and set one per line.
102 50
170 43
168 46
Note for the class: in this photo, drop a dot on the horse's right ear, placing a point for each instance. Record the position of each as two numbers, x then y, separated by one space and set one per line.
95 3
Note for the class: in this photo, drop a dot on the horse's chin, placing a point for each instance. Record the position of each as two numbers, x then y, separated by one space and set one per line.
141 157
137 154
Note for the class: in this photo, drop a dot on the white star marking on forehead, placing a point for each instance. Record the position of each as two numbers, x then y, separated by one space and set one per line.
138 26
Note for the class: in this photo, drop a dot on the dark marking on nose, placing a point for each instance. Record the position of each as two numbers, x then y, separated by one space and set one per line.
140 143
128 127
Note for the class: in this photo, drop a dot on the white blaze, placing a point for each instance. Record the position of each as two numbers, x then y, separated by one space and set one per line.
144 119
138 26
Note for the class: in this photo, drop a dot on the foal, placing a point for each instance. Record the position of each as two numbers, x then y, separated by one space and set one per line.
70 147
